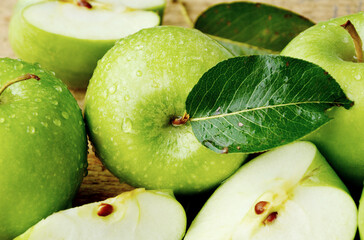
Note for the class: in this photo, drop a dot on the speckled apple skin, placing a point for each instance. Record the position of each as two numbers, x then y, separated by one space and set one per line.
137 88
43 154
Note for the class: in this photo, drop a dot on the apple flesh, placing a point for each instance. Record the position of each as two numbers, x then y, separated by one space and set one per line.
69 39
330 46
43 154
138 87
287 193
138 214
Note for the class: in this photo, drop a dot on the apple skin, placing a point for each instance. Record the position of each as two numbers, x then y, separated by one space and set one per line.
72 59
136 90
287 177
43 157
330 46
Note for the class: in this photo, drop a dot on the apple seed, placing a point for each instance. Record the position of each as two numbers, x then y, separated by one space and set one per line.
260 207
84 3
271 217
105 209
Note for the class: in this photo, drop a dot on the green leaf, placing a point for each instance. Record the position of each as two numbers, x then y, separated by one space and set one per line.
255 103
240 26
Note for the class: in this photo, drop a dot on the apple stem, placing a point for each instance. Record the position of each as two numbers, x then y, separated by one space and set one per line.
18 79
180 120
348 26
84 3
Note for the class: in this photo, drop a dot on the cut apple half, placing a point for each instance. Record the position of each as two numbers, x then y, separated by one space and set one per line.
288 193
101 20
138 214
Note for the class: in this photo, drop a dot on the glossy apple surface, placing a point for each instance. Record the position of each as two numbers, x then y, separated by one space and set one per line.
43 147
138 87
134 215
290 192
330 46
69 39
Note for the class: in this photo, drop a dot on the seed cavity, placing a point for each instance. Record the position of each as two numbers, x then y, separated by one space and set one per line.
105 209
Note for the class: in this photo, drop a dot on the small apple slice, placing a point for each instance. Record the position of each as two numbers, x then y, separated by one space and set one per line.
288 193
361 216
138 214
69 37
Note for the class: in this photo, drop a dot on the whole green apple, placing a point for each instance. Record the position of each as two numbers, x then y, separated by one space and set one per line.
43 147
139 87
69 37
137 215
288 193
330 46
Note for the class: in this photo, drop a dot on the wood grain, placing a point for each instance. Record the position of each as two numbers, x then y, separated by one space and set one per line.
99 183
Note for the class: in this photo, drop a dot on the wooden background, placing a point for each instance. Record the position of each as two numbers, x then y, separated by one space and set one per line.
100 184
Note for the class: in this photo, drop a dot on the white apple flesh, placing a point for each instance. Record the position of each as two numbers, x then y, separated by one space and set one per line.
288 193
69 39
134 215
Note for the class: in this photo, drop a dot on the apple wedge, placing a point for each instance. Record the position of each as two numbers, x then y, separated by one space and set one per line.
361 216
288 193
138 214
68 37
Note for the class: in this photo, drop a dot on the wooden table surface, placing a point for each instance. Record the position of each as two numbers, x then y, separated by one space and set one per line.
100 184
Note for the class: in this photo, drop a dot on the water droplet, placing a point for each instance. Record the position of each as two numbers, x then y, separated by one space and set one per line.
44 124
18 66
2 120
58 88
54 102
127 125
139 73
37 100
112 89
65 115
323 26
126 98
57 122
155 84
139 47
358 77
30 129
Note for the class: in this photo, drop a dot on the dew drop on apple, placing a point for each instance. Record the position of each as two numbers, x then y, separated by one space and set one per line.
127 125
38 100
58 88
57 122
139 73
357 77
18 66
126 98
155 84
30 129
65 115
2 120
112 90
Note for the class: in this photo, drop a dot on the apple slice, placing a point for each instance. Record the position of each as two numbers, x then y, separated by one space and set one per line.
138 214
288 193
361 216
68 37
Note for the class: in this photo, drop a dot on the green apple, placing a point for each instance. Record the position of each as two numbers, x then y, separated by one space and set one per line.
330 46
69 37
134 215
138 88
290 192
43 154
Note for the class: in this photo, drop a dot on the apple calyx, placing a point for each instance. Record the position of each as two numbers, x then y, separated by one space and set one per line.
348 26
179 121
18 79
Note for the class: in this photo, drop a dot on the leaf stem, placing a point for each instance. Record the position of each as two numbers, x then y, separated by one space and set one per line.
180 120
348 26
260 108
18 79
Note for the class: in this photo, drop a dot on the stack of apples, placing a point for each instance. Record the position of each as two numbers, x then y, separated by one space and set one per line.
135 118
